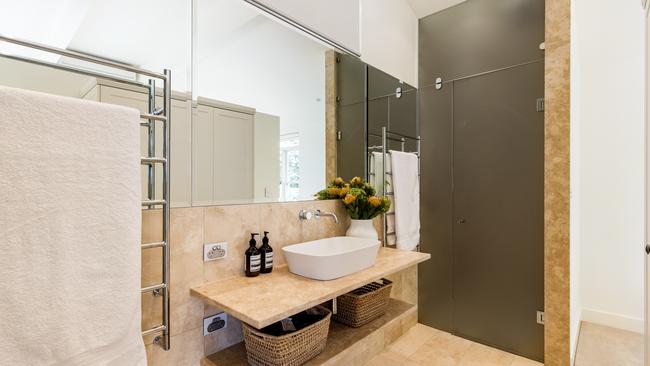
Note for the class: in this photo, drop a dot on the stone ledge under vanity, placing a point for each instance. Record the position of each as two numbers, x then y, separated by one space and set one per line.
345 345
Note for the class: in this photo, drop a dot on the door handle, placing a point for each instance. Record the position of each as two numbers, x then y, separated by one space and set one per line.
461 220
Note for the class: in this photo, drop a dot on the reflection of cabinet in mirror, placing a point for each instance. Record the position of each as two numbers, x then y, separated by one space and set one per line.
267 151
234 153
220 152
115 93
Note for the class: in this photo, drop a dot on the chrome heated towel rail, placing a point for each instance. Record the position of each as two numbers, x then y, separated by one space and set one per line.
152 117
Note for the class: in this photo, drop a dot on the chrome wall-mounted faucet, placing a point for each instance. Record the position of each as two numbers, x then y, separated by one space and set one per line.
306 214
320 214
310 214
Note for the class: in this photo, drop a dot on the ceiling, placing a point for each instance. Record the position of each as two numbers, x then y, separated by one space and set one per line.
422 8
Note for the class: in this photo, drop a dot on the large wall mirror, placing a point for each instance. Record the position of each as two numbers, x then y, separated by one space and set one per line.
262 112
258 134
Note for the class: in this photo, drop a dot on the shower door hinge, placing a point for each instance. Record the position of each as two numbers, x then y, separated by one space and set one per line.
540 104
540 317
438 83
339 135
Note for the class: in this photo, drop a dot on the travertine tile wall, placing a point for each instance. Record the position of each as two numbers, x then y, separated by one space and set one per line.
190 229
405 285
556 183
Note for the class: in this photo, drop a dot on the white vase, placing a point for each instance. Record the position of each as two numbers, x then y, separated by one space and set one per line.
362 229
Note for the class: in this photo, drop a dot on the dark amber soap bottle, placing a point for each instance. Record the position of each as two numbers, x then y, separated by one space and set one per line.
266 253
253 258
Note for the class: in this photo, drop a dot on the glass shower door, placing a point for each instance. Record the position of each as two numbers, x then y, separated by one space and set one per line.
498 208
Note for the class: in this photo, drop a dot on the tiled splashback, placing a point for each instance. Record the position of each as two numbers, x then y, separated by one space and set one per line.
193 227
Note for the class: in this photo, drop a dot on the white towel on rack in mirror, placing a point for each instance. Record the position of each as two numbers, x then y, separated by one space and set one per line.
379 179
406 186
70 232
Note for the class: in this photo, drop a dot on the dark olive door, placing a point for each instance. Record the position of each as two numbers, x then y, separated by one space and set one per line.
497 228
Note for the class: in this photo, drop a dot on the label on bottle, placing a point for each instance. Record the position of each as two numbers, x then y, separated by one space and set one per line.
255 263
268 259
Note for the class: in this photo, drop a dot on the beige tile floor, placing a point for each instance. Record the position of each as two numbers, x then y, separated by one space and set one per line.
425 346
599 345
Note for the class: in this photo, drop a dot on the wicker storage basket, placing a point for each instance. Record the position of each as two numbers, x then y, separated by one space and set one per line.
364 304
293 349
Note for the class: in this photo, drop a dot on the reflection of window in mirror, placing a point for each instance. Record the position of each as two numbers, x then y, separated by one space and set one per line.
289 167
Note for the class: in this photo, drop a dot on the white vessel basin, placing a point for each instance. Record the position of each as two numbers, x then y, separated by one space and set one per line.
327 259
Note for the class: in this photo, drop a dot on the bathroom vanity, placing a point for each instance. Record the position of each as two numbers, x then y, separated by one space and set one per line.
263 300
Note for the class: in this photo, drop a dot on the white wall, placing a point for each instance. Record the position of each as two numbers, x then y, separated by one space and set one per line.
575 199
389 38
608 162
646 5
386 30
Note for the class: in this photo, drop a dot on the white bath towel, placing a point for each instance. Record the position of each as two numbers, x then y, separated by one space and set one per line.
378 179
69 232
406 185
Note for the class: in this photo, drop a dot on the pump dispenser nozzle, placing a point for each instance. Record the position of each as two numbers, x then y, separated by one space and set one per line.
252 241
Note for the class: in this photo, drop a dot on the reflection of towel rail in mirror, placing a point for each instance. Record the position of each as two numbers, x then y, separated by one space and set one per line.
383 151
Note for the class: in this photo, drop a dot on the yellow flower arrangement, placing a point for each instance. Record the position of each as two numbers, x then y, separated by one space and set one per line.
359 198
356 181
345 190
374 201
348 199
334 191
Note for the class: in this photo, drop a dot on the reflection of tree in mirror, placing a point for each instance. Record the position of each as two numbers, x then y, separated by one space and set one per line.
289 167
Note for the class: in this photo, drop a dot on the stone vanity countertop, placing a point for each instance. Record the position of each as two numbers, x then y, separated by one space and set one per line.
265 299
